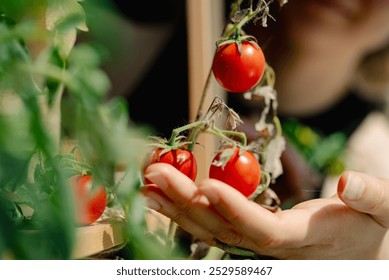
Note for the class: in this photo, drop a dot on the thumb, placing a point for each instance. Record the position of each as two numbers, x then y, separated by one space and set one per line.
366 194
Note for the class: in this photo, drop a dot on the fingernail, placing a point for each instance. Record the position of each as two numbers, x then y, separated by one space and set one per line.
156 178
355 186
152 204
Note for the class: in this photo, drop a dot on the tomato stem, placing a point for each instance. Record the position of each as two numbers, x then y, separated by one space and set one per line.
234 8
204 94
262 187
236 29
270 76
228 134
277 125
177 131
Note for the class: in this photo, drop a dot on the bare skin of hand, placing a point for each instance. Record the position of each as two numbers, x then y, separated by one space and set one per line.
315 229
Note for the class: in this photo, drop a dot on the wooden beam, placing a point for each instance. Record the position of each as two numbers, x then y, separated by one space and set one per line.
205 21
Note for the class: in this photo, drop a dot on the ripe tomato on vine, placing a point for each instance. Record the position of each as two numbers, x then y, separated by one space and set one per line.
182 159
238 66
90 202
238 168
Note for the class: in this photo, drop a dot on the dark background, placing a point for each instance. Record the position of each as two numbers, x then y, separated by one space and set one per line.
164 88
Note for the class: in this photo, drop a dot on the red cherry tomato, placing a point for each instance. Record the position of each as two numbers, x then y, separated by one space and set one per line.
90 202
239 72
242 171
181 159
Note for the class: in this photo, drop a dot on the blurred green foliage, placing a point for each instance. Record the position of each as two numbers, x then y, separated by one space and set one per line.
324 153
42 67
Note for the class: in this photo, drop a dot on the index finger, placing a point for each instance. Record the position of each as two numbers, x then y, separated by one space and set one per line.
178 187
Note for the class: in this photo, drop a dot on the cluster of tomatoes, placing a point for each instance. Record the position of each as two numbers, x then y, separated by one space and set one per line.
238 67
241 170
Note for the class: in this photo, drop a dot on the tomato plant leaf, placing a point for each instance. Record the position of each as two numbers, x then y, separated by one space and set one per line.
89 82
65 17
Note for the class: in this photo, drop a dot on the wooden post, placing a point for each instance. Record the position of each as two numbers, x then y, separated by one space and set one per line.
205 21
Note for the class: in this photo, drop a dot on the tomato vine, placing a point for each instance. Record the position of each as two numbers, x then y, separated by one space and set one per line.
230 70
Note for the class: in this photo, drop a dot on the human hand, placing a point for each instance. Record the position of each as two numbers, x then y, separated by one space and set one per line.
316 229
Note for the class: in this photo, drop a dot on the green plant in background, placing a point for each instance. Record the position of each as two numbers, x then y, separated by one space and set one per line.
41 66
324 153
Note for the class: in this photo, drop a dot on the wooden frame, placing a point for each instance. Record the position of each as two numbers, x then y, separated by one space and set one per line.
205 21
